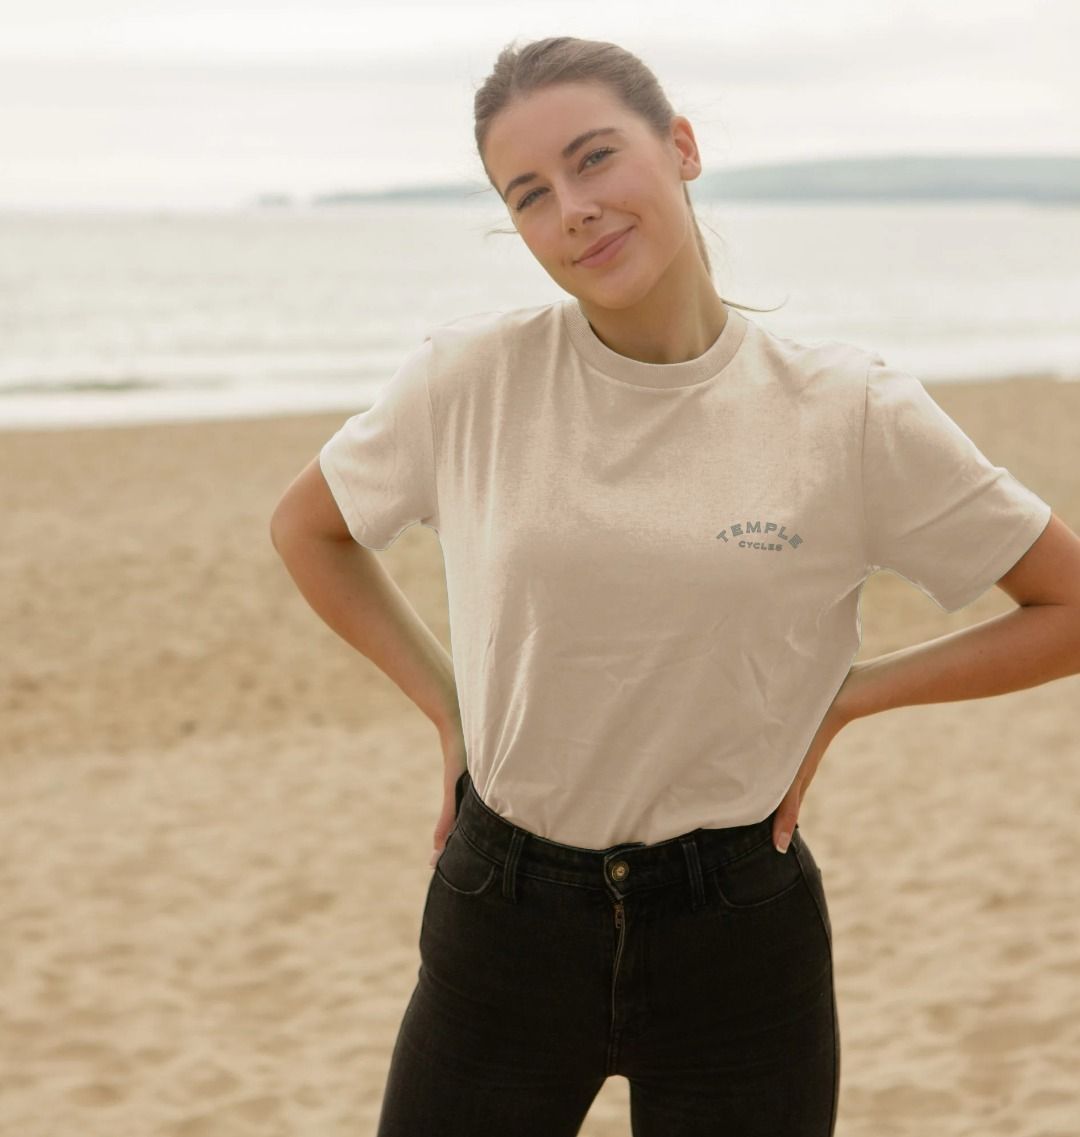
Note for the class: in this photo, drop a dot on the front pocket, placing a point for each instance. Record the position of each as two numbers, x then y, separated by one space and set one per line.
759 876
462 868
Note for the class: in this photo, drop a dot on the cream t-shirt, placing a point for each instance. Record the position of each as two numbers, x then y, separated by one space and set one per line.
653 570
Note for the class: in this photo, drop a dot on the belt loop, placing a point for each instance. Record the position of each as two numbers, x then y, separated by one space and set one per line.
693 867
517 839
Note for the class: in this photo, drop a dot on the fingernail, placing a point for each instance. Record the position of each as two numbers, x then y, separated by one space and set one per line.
782 842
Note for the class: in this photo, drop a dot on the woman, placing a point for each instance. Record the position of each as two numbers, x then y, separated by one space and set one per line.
656 519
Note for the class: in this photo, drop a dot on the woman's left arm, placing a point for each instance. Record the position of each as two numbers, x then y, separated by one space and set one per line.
1032 644
1037 641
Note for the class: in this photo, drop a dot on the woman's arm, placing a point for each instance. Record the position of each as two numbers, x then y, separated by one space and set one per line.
348 587
1036 642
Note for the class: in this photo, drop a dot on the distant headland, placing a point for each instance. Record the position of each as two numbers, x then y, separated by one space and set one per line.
1033 178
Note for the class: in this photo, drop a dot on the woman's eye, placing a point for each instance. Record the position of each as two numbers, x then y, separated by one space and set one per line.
604 150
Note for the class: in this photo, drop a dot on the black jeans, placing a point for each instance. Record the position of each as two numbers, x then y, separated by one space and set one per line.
699 968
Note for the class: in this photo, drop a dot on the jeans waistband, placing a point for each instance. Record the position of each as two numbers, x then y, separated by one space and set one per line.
619 870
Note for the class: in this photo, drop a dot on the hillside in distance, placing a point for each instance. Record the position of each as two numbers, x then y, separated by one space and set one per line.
1034 178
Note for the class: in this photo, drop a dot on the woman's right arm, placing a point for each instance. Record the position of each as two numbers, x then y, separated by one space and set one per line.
350 590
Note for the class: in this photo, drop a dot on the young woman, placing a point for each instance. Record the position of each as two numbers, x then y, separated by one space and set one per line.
656 519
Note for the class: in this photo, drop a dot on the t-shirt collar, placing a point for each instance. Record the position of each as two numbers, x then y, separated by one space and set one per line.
622 367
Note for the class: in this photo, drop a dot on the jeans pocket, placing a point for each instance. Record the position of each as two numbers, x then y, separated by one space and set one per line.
462 868
759 876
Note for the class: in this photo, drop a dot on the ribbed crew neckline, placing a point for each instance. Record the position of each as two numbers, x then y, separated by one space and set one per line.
658 375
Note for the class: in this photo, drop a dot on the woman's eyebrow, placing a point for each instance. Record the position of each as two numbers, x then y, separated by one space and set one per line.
568 152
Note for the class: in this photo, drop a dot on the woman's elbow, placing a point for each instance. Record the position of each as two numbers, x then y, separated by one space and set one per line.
307 509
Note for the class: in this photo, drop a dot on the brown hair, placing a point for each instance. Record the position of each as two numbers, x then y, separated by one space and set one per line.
565 59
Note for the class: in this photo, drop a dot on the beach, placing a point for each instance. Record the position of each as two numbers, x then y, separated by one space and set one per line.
217 816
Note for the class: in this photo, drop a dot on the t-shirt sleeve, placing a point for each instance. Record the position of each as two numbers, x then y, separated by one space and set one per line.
936 510
380 465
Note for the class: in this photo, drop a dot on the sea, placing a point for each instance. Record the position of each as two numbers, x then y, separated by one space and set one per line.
124 317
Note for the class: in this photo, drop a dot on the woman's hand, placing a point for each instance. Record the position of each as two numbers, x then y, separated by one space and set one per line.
836 718
453 748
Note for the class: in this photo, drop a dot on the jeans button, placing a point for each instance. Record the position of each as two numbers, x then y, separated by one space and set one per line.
619 870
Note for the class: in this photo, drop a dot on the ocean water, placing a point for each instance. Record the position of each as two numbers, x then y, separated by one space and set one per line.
114 317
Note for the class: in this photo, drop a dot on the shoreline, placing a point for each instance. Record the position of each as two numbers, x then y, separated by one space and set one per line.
212 414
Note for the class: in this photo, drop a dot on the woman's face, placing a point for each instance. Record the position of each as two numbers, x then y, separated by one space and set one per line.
609 183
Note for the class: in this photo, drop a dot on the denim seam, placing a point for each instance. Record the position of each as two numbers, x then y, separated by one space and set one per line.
517 839
835 1023
806 871
467 892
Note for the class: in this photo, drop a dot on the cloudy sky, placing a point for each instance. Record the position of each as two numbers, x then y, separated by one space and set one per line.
191 104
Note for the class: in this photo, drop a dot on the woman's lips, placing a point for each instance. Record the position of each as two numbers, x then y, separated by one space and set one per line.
609 251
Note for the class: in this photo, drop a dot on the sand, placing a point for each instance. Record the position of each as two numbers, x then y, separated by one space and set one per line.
217 817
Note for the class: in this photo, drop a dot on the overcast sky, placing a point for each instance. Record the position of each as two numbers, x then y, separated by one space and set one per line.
158 103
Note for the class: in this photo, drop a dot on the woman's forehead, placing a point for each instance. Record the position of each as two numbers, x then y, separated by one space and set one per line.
543 125
563 103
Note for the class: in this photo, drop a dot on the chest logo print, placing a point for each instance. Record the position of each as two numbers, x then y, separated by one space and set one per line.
757 534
